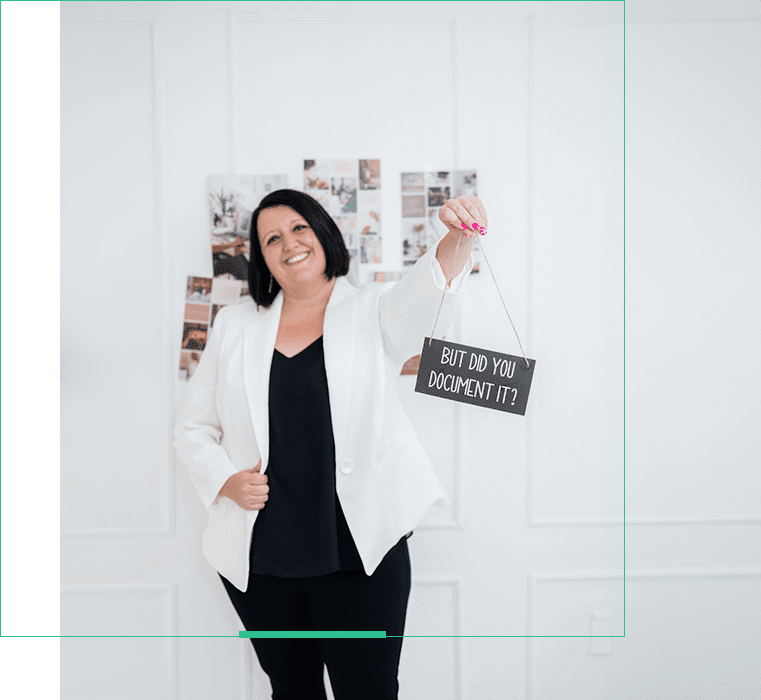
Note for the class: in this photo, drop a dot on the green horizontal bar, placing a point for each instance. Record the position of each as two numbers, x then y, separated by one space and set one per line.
328 635
312 634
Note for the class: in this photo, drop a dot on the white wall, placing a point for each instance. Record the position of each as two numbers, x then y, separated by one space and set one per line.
693 215
155 96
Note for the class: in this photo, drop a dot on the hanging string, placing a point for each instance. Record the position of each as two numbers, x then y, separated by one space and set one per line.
451 277
480 242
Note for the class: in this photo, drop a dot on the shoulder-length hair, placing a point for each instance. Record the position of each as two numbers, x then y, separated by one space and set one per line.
336 255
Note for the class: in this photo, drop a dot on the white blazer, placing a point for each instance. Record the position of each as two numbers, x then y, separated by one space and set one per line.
384 480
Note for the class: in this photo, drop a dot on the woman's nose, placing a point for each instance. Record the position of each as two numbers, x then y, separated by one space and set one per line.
288 241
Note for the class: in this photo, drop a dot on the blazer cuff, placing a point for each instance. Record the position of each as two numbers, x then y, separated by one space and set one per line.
439 277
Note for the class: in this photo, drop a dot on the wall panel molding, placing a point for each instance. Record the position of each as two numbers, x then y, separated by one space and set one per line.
455 583
648 520
124 532
165 592
165 253
154 24
536 578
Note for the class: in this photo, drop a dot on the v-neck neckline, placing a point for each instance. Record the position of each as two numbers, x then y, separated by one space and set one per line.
300 351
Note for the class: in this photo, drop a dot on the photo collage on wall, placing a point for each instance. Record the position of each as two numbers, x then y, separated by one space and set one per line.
423 193
204 297
232 200
349 190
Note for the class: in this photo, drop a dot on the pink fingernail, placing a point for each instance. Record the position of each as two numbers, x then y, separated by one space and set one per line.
474 226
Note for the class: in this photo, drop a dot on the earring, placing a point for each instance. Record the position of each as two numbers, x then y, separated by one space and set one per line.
270 283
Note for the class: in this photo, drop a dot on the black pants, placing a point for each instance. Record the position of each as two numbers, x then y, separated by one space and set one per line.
344 600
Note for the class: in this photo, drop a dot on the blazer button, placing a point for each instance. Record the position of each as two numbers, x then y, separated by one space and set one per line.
346 467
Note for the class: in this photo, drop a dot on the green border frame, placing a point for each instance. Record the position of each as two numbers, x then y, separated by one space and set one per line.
29 566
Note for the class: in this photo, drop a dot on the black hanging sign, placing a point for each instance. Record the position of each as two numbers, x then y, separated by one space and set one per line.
475 376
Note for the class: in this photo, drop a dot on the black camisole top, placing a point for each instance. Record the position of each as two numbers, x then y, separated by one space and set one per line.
301 531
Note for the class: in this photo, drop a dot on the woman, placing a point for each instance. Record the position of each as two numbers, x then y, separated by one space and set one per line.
302 380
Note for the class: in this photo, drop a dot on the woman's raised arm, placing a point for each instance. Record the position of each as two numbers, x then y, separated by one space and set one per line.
410 306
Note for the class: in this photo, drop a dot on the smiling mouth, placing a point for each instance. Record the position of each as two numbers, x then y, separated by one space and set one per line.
296 259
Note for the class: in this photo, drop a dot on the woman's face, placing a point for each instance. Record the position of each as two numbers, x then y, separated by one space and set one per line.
290 247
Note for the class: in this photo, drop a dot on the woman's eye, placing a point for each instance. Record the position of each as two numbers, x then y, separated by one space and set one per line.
298 226
272 240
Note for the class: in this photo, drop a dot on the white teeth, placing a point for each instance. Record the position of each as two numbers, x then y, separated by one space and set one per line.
298 258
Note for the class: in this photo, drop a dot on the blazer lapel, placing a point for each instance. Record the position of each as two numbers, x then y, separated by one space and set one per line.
338 343
258 347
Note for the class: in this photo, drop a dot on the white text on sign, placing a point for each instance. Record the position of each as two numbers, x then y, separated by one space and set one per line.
475 376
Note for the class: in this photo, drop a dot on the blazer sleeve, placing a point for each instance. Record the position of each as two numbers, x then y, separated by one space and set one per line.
409 307
198 430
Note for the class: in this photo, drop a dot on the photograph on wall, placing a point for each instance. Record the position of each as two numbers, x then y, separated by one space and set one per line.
371 249
437 196
413 205
317 175
204 297
415 240
198 290
423 193
413 182
370 217
226 291
343 191
194 335
464 183
189 360
232 200
349 190
369 174
347 225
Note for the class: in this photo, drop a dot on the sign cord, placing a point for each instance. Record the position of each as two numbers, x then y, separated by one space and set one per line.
480 242
449 282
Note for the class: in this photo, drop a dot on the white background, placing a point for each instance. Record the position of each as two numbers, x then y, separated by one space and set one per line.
156 96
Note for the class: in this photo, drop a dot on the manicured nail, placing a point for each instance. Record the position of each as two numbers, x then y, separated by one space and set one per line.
475 226
463 225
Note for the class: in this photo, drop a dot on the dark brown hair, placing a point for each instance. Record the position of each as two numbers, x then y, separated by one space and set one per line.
332 242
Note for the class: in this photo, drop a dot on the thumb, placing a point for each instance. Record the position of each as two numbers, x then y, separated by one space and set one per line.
258 466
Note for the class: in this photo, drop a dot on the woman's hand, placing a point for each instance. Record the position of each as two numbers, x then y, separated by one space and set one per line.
465 218
464 210
248 488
